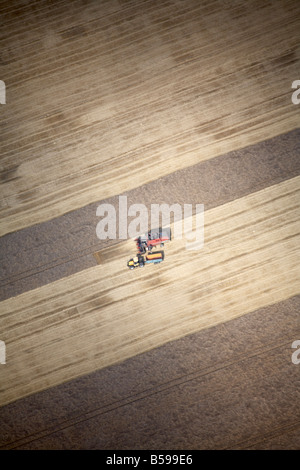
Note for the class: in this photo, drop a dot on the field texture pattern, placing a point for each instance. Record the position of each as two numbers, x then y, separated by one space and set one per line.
171 101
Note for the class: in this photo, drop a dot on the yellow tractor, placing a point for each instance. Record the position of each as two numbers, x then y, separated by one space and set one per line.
140 261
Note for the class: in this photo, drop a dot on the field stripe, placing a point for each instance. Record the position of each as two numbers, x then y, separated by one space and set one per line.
201 367
55 249
128 97
107 313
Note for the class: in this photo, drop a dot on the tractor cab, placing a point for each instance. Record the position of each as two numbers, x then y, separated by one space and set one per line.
136 261
141 243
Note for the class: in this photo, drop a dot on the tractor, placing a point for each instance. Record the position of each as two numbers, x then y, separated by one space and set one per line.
140 260
152 238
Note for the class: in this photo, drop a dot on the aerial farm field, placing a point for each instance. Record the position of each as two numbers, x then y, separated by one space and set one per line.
177 102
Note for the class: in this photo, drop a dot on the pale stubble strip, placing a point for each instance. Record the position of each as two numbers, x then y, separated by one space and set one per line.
107 313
